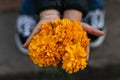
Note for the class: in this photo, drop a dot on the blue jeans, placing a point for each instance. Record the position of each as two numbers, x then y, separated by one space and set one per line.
96 4
27 8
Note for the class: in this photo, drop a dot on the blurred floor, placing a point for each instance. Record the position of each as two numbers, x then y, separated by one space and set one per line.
8 5
104 61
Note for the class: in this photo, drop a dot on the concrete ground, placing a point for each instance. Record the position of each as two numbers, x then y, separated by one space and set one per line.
12 61
104 60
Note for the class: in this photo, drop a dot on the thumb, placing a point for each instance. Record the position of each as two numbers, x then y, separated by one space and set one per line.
35 31
91 30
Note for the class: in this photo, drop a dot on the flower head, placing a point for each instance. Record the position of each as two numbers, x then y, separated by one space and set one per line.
60 41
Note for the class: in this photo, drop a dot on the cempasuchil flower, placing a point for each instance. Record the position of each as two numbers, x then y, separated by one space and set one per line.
60 42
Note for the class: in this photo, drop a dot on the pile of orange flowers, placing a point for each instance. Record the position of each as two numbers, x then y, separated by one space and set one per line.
60 42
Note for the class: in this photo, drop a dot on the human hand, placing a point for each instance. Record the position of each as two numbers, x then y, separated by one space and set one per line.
36 30
86 27
89 29
77 15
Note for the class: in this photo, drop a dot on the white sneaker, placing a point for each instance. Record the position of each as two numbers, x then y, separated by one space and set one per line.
24 27
96 19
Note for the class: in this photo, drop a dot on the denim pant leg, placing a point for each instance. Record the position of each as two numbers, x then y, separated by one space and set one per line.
27 8
96 4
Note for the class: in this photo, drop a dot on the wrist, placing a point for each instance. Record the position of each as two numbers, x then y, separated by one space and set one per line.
73 15
49 14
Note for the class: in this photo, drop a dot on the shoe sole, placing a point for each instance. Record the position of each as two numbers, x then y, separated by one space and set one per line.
19 45
99 41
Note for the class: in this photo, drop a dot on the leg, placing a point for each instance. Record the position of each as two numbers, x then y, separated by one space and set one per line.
27 8
25 23
96 4
96 19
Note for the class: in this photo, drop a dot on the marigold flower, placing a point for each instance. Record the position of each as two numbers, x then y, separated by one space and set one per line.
60 41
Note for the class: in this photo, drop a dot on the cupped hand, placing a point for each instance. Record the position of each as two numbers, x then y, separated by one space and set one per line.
89 29
36 30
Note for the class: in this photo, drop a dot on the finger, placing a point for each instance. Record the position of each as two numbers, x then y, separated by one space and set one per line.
91 30
88 52
35 31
